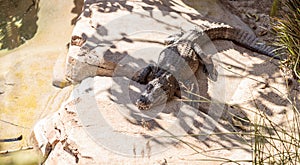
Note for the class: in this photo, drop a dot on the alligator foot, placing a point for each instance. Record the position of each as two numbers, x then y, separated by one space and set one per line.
210 72
172 38
189 93
147 74
206 60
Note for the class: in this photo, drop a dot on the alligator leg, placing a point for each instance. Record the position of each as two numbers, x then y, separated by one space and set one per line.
172 38
146 75
209 67
189 92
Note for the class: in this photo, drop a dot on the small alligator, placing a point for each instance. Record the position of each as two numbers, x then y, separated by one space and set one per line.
12 139
182 58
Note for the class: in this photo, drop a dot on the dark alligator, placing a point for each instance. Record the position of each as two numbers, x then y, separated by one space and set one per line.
12 139
182 58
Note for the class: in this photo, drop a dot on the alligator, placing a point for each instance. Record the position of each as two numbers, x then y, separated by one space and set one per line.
12 139
183 56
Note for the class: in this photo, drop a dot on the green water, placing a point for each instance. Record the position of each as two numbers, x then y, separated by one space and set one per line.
33 35
18 22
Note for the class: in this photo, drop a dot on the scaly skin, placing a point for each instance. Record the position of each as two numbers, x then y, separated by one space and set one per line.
182 57
158 91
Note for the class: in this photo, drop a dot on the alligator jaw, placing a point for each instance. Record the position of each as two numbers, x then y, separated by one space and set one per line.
143 106
150 99
144 103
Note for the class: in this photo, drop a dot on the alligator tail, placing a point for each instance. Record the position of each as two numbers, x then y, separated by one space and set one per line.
242 38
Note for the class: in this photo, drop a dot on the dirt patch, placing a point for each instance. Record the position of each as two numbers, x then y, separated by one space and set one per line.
256 14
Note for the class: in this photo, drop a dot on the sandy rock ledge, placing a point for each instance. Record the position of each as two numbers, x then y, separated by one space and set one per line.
90 128
99 124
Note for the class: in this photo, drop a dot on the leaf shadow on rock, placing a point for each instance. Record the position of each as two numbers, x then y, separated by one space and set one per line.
77 9
201 121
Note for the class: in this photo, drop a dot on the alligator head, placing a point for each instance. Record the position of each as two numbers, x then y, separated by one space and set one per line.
158 91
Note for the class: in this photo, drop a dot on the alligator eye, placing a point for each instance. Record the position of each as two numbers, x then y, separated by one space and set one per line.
149 87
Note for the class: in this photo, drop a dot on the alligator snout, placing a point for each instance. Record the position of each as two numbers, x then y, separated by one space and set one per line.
143 103
156 93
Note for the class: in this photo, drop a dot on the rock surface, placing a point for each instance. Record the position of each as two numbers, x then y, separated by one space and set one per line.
26 72
107 32
99 124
